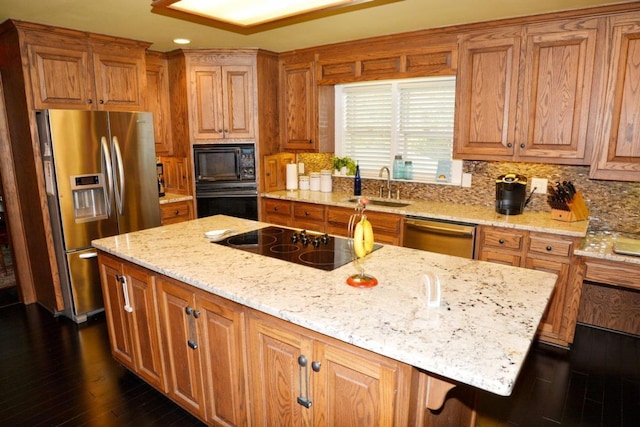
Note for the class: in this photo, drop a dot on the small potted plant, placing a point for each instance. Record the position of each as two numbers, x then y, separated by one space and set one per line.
344 166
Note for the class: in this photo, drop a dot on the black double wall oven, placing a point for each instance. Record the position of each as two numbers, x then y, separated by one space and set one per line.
225 176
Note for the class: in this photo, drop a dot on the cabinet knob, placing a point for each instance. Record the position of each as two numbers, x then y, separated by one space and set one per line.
522 145
306 213
275 209
501 241
177 212
89 101
311 141
509 144
101 101
549 248
315 365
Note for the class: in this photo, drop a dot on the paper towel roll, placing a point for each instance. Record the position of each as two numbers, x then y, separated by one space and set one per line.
292 176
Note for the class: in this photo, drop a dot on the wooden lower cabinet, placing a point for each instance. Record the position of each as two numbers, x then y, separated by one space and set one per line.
544 252
132 318
230 365
313 380
204 345
387 227
171 213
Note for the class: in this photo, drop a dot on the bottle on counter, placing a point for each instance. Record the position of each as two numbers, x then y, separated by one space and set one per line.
398 167
408 169
357 182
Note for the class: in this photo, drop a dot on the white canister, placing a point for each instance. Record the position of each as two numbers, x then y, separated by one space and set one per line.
304 182
314 181
325 181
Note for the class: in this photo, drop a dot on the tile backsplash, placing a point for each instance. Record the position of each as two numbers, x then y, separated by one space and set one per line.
613 205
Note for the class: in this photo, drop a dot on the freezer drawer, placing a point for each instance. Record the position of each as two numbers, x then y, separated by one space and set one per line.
84 277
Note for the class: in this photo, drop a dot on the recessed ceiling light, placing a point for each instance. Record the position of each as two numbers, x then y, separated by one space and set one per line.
181 41
248 13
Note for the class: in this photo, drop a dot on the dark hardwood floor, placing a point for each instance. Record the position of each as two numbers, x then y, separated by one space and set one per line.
56 373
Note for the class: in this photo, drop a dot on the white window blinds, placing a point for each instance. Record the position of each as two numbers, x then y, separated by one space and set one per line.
414 118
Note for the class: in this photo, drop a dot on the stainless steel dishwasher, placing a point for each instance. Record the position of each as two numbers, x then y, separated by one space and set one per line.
445 237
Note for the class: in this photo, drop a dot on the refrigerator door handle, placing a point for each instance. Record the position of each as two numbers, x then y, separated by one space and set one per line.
107 159
88 255
120 181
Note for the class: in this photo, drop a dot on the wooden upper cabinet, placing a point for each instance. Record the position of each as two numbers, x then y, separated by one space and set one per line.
525 93
298 107
559 75
120 78
486 94
222 102
618 152
80 72
61 76
157 101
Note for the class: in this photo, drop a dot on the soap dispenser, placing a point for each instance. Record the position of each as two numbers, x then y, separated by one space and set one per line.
357 182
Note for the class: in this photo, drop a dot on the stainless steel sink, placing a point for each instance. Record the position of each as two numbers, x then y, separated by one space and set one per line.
380 202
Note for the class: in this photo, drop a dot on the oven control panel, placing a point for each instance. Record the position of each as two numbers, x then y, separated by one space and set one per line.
247 164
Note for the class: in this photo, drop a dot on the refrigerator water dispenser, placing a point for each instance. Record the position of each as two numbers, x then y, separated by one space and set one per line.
89 198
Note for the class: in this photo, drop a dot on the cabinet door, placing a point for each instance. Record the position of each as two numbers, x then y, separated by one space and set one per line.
61 76
551 322
237 101
182 351
348 379
205 96
157 101
486 94
277 379
221 332
120 77
298 107
117 315
618 154
149 358
553 124
275 170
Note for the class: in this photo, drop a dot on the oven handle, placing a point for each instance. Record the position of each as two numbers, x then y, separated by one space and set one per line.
225 194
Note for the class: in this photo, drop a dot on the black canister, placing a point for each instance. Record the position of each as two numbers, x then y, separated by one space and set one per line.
511 194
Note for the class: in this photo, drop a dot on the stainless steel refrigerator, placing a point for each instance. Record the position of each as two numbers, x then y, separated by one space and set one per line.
100 177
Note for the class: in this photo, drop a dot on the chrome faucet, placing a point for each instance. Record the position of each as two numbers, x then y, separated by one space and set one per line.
382 170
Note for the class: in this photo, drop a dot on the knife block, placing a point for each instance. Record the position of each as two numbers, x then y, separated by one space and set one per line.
578 210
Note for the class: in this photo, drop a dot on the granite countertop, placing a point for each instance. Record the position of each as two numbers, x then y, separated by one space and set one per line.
599 244
532 221
173 197
480 335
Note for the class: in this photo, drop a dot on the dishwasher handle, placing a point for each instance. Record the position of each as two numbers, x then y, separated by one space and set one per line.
454 230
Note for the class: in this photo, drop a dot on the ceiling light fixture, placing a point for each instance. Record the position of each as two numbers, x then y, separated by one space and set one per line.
181 41
250 13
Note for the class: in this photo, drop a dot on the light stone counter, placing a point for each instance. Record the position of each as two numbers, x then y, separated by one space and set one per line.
532 221
173 197
480 335
600 245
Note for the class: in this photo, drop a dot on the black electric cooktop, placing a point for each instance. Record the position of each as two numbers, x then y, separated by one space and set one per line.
298 246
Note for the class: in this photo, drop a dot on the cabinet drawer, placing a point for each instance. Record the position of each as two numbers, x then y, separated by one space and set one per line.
501 239
309 211
280 207
613 273
171 213
550 246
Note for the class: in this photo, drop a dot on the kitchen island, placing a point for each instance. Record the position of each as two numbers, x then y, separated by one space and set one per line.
479 336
